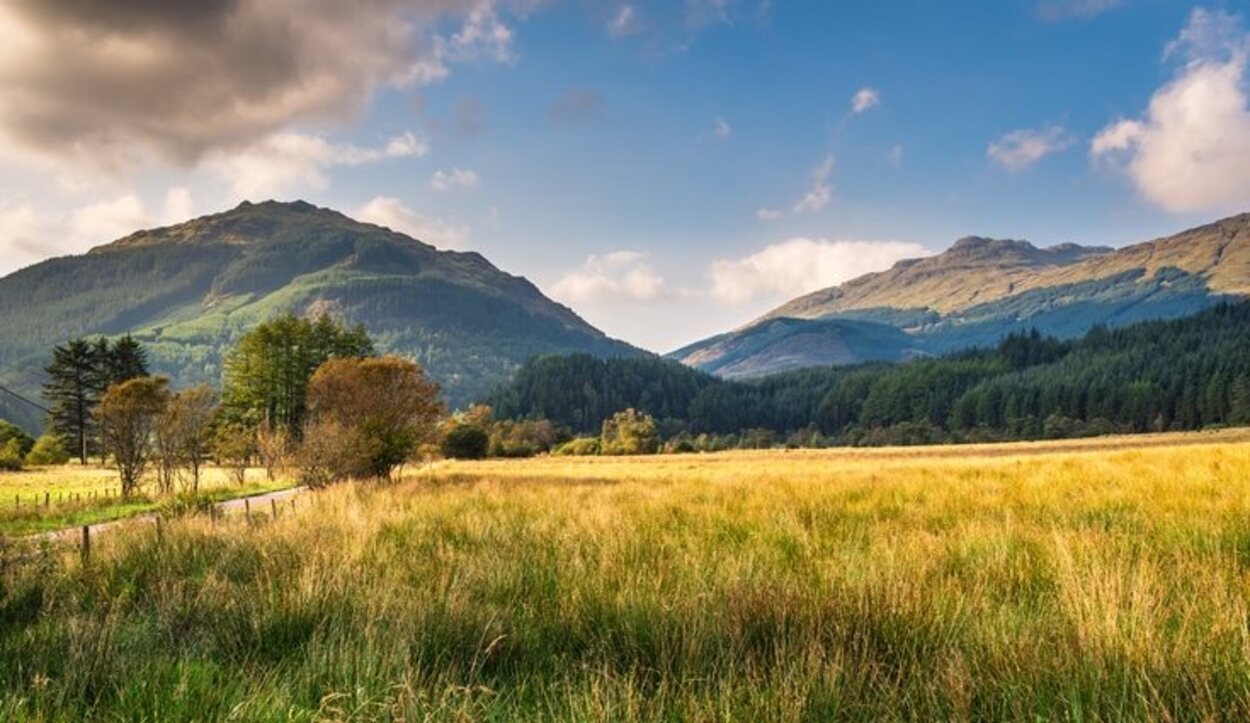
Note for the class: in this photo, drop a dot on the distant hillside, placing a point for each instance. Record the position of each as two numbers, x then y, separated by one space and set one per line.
981 289
188 291
1158 375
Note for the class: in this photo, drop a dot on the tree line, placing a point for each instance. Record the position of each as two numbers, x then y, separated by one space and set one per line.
1153 376
309 394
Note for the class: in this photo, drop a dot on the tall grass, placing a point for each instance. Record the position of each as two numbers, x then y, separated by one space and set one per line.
1027 584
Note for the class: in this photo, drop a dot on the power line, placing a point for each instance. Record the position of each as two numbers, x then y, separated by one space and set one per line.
36 405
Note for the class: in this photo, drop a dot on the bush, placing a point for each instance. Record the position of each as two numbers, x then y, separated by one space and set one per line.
580 447
10 431
630 432
11 455
48 450
466 441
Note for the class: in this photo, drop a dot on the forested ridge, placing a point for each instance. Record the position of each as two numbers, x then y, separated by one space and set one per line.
1153 376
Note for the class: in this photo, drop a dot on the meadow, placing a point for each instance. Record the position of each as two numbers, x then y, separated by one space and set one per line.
40 499
1096 580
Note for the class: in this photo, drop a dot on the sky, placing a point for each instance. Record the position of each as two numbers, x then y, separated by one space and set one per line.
670 169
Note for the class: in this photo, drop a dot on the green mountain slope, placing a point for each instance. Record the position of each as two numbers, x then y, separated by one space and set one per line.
188 291
982 289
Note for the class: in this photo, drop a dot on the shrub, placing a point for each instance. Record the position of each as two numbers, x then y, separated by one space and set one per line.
630 432
11 455
579 447
465 441
10 431
49 450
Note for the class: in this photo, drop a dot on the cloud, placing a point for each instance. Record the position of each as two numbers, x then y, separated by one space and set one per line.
1022 148
624 22
802 265
720 131
109 220
895 155
768 214
455 178
617 276
114 83
578 105
21 237
865 99
1190 151
286 161
395 215
1054 11
821 193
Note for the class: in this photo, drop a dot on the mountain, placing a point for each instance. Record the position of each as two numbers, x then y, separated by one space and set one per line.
980 290
189 291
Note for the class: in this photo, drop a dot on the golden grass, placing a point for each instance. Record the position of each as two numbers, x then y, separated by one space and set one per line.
45 498
1104 580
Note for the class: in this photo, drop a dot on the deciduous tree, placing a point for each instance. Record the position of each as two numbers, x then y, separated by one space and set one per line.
128 413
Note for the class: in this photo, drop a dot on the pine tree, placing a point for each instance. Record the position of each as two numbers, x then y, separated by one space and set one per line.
125 360
74 387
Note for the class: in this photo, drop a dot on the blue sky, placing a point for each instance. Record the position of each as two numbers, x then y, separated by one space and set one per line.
668 169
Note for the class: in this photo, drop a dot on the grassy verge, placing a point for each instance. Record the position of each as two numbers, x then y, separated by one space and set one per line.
35 518
1038 584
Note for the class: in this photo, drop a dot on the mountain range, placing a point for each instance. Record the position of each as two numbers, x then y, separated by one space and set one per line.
981 289
188 291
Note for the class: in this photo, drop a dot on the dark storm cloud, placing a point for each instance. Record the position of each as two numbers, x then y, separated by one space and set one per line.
181 78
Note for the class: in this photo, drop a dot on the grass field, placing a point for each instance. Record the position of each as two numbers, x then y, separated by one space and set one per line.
47 498
1099 580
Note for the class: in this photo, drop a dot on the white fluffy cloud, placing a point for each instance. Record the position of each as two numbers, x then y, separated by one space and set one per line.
453 179
865 99
768 214
113 83
1022 148
288 161
397 216
616 276
803 265
820 193
1190 151
624 22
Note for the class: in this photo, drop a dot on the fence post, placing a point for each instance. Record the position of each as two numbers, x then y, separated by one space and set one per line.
86 543
273 504
47 499
247 510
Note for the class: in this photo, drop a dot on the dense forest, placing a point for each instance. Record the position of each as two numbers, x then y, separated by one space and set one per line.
1152 376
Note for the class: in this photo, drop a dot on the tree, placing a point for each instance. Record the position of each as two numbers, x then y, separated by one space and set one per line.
188 429
11 455
47 451
630 432
234 445
465 441
267 371
73 389
127 414
126 359
79 373
273 444
385 407
11 432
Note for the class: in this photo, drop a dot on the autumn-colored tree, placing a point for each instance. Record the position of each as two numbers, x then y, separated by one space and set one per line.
385 407
234 445
127 414
273 445
189 419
